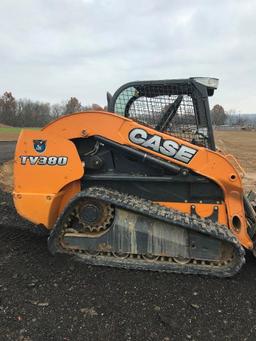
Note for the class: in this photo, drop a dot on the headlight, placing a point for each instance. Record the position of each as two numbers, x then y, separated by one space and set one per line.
207 81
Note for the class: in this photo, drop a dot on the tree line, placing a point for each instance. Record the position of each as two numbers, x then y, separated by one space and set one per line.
231 118
28 113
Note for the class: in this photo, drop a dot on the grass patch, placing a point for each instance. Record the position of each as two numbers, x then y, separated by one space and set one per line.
15 129
12 133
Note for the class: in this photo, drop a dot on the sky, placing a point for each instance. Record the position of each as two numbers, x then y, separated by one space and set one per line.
51 50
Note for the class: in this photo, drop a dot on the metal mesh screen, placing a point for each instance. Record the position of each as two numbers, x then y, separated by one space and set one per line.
147 104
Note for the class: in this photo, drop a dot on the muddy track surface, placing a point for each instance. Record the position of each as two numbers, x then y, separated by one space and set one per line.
57 298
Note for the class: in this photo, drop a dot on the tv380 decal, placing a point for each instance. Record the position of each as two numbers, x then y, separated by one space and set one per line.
168 147
39 147
44 160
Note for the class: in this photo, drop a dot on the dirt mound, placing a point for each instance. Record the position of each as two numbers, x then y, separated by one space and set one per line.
6 176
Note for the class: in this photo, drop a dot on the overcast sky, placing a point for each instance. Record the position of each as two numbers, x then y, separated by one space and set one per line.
53 49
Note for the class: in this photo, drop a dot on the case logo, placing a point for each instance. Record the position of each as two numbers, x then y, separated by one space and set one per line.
169 148
39 145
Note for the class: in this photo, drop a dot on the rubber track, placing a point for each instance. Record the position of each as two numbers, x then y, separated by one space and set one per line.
155 211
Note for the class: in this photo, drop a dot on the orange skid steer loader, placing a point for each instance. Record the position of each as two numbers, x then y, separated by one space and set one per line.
141 186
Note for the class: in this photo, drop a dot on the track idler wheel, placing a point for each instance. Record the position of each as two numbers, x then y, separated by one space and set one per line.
93 216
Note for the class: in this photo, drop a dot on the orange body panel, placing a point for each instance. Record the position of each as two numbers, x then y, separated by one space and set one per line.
210 164
39 190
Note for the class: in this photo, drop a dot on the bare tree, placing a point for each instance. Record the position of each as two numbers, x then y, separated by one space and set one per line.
57 110
8 108
32 114
73 105
218 115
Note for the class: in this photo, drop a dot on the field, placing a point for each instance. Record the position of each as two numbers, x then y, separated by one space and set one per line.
241 144
11 133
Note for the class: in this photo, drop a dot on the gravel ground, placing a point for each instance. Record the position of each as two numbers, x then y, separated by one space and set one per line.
7 150
57 298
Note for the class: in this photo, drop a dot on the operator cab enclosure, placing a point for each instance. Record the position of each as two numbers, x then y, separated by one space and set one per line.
179 107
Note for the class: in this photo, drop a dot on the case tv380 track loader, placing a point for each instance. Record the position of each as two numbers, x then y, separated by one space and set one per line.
141 186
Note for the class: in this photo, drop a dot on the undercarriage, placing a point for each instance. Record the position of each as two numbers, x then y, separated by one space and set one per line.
121 230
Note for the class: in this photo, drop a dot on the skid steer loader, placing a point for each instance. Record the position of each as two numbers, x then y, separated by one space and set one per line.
141 186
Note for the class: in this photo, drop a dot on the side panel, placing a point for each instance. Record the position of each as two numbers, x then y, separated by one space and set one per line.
44 180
